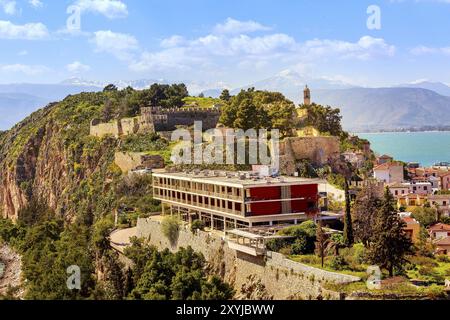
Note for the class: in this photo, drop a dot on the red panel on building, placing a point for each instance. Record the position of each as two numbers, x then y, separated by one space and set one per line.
265 193
310 195
304 191
266 208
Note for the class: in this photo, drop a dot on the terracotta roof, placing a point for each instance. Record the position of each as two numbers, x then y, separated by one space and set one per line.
398 185
444 242
440 227
388 165
444 174
410 220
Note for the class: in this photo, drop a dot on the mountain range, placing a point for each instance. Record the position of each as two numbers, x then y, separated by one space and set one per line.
406 106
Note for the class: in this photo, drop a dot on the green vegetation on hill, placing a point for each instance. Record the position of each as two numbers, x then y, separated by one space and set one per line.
204 103
73 188
252 109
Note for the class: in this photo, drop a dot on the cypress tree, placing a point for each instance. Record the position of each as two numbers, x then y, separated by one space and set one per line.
389 243
348 225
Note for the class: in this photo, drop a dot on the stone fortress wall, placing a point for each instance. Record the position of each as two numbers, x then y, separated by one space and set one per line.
155 120
318 150
283 278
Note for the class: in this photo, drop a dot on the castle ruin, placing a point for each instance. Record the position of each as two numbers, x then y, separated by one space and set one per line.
156 120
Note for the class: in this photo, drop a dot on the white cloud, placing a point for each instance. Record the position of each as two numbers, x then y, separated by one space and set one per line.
423 50
9 6
232 26
29 31
120 45
256 52
173 41
29 70
23 53
36 3
109 8
77 67
365 48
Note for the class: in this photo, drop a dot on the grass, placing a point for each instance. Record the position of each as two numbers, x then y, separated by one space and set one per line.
314 261
436 272
201 102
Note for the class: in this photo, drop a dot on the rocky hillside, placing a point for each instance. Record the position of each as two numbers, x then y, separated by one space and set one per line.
50 157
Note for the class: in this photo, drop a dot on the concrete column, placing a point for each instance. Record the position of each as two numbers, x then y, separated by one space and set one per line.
212 222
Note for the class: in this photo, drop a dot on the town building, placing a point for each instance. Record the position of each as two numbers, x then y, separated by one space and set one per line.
389 172
439 231
399 189
441 202
412 228
445 180
384 159
229 200
443 246
412 200
356 158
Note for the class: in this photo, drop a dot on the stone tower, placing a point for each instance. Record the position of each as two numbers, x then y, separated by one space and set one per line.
307 96
146 124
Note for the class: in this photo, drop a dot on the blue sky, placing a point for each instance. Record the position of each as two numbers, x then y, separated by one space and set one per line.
224 41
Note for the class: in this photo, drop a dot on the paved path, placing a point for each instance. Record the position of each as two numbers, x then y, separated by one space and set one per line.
120 239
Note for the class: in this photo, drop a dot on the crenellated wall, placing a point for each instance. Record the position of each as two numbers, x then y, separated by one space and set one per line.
156 119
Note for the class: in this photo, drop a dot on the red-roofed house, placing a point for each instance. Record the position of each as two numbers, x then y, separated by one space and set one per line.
443 246
445 180
384 159
412 228
439 231
390 172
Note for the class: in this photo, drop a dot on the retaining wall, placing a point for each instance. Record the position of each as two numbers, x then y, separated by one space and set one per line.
283 278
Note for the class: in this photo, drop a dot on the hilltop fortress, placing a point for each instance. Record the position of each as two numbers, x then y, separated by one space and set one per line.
156 119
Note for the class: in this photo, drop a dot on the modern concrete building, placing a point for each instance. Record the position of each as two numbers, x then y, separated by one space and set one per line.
227 201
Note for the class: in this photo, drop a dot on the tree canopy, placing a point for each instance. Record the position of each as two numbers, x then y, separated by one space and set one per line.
252 109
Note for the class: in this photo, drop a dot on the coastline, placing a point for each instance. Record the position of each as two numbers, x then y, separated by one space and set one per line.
388 132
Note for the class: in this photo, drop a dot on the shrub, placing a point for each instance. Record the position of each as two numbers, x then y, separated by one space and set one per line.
435 292
171 228
359 253
197 225
337 263
443 258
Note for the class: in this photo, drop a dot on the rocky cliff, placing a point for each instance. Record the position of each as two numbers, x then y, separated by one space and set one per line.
51 158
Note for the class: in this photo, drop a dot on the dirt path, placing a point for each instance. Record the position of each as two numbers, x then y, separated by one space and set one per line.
13 269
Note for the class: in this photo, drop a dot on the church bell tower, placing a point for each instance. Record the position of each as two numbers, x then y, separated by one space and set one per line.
307 96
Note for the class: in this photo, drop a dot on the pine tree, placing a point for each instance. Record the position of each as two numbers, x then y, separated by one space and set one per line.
389 243
348 225
225 96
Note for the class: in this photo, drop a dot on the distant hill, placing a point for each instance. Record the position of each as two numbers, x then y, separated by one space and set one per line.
291 84
387 108
437 87
16 106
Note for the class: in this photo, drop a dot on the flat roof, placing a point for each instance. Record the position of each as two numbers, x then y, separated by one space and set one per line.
234 181
244 234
